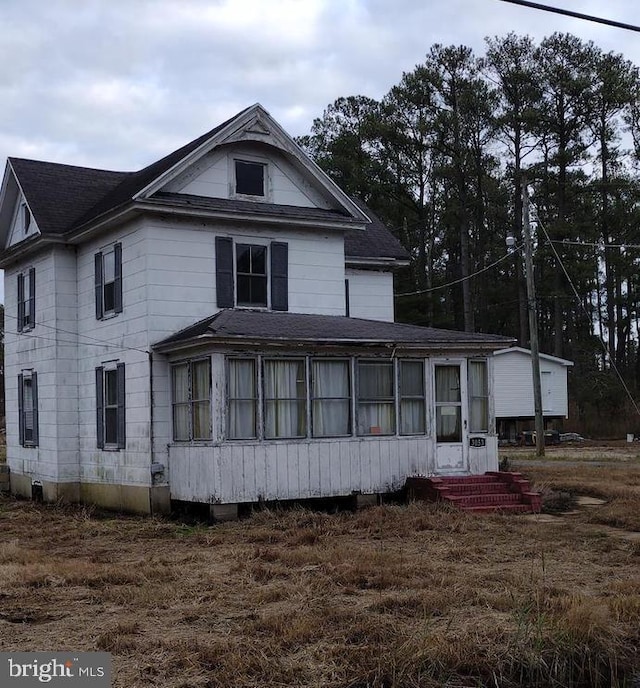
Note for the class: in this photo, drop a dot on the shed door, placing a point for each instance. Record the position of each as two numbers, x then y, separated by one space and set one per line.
451 418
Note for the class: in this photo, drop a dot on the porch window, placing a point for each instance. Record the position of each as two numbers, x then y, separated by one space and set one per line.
28 408
412 398
376 398
330 398
448 404
285 399
243 399
191 387
478 396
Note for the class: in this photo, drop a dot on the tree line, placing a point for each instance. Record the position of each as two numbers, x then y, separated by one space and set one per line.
442 159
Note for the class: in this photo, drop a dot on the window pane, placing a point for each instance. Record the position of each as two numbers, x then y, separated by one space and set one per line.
257 291
242 379
243 258
109 265
412 378
242 419
27 401
200 376
249 178
259 260
285 419
412 417
447 383
111 387
242 395
111 426
201 420
181 422
479 415
330 379
109 296
376 419
180 380
448 425
332 400
375 380
331 417
478 396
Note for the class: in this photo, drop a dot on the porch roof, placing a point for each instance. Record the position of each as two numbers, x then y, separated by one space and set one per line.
268 327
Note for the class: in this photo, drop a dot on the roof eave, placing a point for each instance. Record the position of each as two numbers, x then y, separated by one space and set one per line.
375 262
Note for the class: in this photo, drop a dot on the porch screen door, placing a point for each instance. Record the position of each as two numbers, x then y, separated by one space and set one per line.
450 418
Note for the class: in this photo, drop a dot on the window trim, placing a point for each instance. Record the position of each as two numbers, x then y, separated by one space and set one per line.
99 281
101 406
190 402
31 376
26 306
411 397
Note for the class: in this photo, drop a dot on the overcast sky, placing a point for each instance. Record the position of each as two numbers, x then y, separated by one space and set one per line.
116 84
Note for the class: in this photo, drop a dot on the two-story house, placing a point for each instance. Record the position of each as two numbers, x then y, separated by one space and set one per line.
218 328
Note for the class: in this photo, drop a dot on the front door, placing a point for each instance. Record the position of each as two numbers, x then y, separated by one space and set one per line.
450 394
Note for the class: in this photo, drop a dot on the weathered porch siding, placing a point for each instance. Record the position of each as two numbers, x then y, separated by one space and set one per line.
249 472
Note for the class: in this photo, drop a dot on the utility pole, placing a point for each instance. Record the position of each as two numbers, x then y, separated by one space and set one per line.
533 321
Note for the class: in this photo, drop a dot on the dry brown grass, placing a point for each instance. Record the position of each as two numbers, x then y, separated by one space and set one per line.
390 597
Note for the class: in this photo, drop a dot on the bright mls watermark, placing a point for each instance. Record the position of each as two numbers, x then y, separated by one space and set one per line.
55 669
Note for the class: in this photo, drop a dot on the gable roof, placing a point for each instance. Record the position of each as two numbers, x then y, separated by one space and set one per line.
527 352
231 325
64 198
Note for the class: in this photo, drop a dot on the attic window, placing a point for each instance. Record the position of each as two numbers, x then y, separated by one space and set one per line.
26 218
249 178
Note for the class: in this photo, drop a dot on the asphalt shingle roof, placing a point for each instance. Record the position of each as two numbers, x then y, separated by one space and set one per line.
299 327
64 197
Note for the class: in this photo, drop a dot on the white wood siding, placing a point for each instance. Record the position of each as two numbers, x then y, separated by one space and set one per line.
213 176
17 233
370 294
513 385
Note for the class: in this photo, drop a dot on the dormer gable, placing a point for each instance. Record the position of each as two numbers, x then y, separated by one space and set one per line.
16 216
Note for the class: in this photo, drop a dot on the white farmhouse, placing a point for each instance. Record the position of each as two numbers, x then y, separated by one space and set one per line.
514 389
218 328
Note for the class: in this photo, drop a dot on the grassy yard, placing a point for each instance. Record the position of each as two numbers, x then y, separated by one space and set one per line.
389 597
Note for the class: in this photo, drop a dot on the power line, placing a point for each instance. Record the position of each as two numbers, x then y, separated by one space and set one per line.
600 245
462 279
576 15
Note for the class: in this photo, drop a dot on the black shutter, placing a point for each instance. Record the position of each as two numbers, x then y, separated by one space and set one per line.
98 285
100 407
117 287
32 297
279 276
20 302
122 440
34 395
347 305
21 408
224 272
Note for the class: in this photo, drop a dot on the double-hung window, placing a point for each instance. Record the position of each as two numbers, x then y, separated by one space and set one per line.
412 398
108 281
110 406
191 387
27 300
252 275
478 396
330 398
285 398
28 408
376 398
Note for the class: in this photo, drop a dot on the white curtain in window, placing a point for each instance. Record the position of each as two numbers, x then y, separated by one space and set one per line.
201 400
478 395
180 389
412 403
448 416
242 399
285 399
376 405
331 398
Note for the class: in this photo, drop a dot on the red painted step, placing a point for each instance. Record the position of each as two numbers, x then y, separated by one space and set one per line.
505 492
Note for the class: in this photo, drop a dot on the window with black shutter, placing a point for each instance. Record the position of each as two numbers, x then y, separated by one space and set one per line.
110 407
28 408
